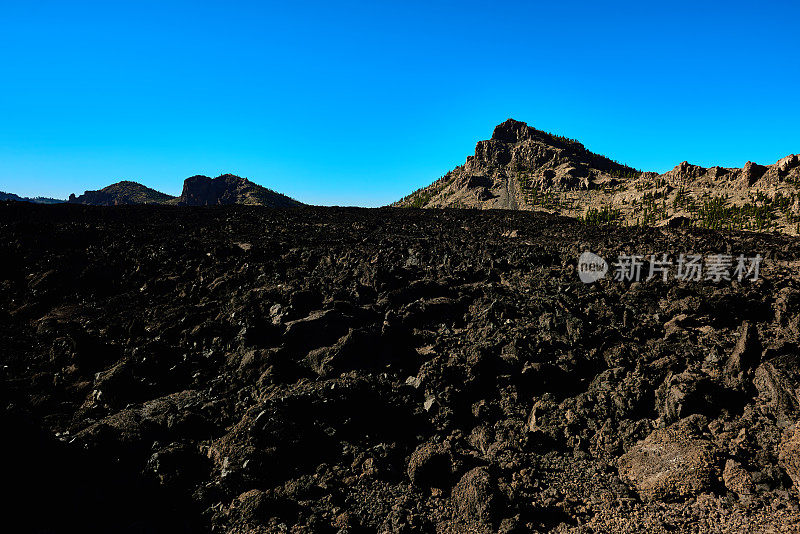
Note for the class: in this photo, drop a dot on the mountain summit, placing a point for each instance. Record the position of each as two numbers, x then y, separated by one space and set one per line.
515 160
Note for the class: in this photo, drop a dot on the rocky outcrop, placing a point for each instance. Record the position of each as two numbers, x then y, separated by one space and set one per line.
229 189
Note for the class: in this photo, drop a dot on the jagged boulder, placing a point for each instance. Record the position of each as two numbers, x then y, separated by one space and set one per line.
672 463
789 454
744 358
737 479
475 497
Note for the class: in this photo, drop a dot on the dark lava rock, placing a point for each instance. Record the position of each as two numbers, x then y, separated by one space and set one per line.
671 463
744 358
244 369
475 497
431 465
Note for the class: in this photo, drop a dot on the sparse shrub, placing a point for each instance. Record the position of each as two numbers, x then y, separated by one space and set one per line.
603 216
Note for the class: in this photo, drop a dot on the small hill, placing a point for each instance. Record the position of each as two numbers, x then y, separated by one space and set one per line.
230 189
121 193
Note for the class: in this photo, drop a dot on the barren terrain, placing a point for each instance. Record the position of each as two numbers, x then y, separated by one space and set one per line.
246 369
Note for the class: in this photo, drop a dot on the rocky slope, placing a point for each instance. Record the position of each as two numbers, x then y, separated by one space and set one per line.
524 168
240 369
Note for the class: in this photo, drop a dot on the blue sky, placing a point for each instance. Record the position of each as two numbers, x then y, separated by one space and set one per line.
359 103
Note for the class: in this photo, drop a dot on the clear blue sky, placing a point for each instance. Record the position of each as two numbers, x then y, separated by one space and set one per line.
360 103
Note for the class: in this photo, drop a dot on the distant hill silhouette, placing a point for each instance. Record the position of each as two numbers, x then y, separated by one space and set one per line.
197 191
230 189
124 192
35 200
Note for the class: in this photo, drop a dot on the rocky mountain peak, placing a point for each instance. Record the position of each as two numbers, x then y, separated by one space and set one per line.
511 131
505 170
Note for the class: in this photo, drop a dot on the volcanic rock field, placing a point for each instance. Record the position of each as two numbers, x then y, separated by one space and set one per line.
341 370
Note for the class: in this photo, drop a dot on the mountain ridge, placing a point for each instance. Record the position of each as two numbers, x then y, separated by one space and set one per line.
523 168
35 200
198 190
